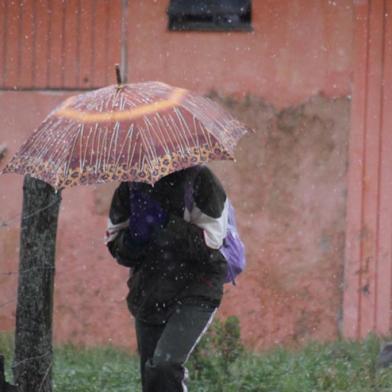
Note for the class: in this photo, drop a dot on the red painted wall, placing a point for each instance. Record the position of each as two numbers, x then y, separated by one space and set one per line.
297 49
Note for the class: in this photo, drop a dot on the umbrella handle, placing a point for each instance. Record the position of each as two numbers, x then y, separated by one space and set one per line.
118 75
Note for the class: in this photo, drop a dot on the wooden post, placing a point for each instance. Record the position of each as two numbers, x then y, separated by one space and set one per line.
33 358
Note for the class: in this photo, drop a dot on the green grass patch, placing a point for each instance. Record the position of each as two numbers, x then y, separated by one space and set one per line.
220 364
95 369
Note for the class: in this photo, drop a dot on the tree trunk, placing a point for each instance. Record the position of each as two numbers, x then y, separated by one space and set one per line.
33 357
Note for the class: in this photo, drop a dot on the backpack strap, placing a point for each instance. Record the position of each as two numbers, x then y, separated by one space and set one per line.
189 187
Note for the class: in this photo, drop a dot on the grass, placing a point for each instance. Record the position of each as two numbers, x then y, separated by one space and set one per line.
333 367
95 369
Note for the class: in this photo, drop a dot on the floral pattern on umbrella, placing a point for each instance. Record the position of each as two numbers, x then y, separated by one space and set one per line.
134 132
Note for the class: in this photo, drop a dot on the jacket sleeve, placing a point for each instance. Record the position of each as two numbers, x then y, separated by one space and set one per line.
117 236
201 232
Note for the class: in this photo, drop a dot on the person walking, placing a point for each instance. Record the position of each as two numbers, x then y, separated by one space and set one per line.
176 269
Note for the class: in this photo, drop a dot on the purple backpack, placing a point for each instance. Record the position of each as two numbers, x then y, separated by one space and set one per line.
232 248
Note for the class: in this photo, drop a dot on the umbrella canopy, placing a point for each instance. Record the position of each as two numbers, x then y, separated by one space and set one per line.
134 132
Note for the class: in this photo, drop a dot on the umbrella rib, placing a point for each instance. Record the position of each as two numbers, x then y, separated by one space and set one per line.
140 155
40 151
176 137
171 136
113 141
81 163
185 125
100 150
191 137
146 163
201 115
184 143
161 124
127 138
35 140
115 161
53 142
116 101
208 112
129 150
68 163
133 147
84 154
181 141
92 152
112 145
206 133
97 139
108 146
35 145
101 106
147 145
60 141
202 130
58 154
104 152
149 139
159 135
196 132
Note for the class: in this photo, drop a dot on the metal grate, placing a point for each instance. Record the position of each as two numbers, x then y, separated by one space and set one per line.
210 15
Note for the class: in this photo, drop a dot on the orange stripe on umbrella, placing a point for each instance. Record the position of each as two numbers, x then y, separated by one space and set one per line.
91 117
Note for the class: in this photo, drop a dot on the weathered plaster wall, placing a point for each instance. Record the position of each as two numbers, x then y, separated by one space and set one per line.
288 186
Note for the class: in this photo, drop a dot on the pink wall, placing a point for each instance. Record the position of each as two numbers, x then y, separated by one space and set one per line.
368 272
297 49
58 45
89 286
291 223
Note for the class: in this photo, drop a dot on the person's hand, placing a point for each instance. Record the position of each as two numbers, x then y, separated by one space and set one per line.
146 216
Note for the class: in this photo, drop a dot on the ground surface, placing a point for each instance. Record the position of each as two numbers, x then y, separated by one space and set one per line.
333 367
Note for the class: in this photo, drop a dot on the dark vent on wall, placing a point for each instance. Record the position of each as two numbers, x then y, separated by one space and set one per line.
210 15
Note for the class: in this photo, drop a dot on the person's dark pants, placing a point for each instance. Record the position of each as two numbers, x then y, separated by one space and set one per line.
165 348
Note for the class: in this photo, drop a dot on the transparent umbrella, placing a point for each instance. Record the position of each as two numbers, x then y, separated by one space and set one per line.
132 132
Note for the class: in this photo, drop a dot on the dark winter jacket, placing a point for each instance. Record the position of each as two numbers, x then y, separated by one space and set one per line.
181 261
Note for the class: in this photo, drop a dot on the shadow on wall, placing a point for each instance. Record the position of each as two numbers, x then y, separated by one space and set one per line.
289 189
